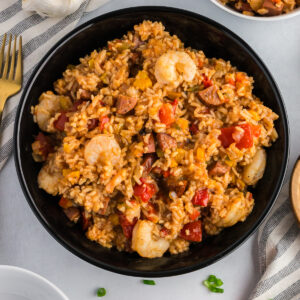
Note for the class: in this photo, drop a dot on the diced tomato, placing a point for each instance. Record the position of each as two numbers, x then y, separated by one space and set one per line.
103 121
194 215
201 197
164 232
127 226
243 139
45 146
194 128
92 123
207 82
247 140
226 136
192 231
144 191
65 203
59 124
256 130
166 114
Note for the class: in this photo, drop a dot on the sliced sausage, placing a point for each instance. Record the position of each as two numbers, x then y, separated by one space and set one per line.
85 95
148 162
92 123
218 169
72 213
102 211
273 9
210 96
125 104
180 188
165 141
149 143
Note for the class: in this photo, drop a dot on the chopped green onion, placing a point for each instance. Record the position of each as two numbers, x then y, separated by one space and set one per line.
101 292
149 282
212 278
219 282
206 283
216 290
194 88
213 283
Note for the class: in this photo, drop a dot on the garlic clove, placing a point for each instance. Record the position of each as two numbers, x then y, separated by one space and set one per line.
52 8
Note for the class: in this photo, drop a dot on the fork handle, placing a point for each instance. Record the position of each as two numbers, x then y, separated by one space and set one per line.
2 103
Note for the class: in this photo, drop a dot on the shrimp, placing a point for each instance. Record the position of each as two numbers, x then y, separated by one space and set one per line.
115 181
255 170
49 105
238 209
173 67
102 148
48 181
144 243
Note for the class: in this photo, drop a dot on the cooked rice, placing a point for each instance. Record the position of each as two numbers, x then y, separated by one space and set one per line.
104 191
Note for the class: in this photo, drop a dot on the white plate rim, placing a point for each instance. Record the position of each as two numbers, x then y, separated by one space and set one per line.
35 276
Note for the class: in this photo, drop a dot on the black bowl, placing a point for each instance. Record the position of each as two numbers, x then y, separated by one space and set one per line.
200 33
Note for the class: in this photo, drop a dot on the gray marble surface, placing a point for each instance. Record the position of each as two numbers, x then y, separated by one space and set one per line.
25 243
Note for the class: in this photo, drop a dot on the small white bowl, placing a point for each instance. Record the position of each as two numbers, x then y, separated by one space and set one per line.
294 13
21 284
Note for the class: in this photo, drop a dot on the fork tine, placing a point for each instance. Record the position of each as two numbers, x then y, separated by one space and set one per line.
7 59
2 52
12 63
18 76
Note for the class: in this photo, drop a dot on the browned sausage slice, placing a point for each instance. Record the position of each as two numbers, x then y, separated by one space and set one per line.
72 213
210 96
218 169
165 141
180 188
148 162
149 143
125 104
273 9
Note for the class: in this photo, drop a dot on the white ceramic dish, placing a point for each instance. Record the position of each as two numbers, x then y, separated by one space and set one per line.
292 14
21 284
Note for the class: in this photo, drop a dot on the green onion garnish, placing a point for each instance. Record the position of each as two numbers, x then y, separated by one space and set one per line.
149 282
213 283
101 292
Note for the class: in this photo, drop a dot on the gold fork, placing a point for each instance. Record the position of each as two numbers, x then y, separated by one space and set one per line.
11 76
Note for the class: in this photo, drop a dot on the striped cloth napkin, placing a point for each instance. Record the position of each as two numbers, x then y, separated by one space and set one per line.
39 35
279 253
279 236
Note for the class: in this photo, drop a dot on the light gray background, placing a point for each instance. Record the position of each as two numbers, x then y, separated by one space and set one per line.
25 243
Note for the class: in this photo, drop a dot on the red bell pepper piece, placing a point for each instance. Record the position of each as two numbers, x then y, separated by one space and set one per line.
201 197
144 191
127 226
103 121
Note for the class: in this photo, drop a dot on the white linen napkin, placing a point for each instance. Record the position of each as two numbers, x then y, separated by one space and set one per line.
279 253
39 35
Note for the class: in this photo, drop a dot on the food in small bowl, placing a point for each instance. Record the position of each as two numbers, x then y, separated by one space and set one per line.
148 143
268 8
